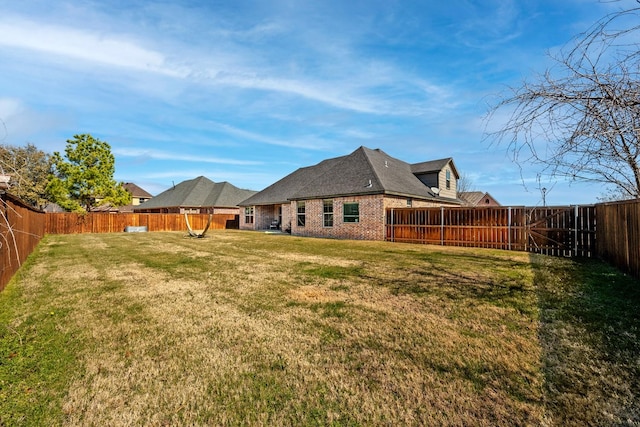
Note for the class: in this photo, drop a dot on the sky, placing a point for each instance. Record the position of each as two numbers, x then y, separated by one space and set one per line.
249 91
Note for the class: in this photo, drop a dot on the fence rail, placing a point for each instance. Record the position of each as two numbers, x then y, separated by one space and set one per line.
104 222
558 231
21 229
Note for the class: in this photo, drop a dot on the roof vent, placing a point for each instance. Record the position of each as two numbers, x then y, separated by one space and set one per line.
386 164
368 185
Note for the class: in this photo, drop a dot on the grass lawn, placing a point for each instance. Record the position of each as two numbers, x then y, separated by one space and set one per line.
244 328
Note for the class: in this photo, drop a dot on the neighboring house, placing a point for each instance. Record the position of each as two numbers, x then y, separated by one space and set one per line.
347 197
199 195
53 208
138 195
477 198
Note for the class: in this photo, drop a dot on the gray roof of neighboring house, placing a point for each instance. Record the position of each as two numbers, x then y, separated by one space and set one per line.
198 192
365 171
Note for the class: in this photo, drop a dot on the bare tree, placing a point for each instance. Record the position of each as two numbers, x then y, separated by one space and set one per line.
465 184
581 118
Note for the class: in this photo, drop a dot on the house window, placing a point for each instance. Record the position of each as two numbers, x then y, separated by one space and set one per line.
448 173
409 203
351 212
301 214
327 213
248 215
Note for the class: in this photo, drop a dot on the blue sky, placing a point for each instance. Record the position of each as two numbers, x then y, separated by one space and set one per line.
249 91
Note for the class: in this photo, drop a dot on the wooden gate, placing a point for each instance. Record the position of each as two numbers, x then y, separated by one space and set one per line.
560 231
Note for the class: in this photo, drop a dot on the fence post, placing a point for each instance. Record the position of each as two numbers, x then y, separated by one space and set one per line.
575 230
509 228
527 217
441 225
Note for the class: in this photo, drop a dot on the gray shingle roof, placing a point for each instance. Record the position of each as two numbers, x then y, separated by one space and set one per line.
198 192
365 171
433 166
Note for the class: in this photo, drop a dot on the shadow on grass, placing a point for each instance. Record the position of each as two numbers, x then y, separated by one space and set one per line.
475 281
590 336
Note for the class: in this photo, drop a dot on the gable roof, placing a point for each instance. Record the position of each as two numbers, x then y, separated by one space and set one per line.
433 166
365 171
473 198
136 191
198 192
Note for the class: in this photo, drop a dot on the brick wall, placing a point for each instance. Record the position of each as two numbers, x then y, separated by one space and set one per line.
225 211
401 202
243 223
370 225
263 215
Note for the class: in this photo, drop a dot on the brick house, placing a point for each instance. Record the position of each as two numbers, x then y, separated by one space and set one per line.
347 197
198 195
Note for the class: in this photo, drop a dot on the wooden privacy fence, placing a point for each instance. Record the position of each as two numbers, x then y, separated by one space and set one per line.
618 235
104 222
558 231
21 228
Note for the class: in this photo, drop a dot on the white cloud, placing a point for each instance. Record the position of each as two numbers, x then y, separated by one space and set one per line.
84 45
230 62
164 155
10 107
295 142
20 123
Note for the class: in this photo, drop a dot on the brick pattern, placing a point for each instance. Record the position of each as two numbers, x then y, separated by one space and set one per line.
370 225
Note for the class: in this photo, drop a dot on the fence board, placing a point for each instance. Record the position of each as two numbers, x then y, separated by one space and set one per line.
559 231
21 229
618 234
104 222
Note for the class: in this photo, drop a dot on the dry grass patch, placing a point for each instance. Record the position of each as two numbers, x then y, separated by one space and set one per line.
251 329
